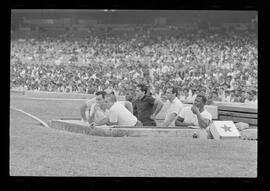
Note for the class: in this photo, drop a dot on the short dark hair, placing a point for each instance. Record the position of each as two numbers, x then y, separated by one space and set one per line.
143 88
112 97
204 99
103 93
174 90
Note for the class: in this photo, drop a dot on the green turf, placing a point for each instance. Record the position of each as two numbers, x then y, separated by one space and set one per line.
37 151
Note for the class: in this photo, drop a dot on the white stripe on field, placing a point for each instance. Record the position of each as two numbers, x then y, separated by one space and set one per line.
55 99
58 99
32 116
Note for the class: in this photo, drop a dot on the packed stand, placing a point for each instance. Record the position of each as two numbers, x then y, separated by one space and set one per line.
221 65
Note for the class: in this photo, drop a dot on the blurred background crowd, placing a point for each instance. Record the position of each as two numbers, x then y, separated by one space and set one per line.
222 64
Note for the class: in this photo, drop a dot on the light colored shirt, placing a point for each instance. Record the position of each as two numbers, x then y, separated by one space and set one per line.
119 113
100 114
190 117
174 107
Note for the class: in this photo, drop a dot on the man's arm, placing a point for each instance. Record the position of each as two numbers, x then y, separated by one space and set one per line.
203 122
129 106
157 107
92 113
111 123
112 118
103 121
170 119
180 122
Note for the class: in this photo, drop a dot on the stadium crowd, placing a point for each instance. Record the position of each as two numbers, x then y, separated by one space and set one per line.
222 65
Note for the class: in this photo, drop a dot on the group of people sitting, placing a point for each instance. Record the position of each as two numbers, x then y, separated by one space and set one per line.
104 109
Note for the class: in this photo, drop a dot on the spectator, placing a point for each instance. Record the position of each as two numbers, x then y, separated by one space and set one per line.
215 97
227 60
235 96
249 97
227 96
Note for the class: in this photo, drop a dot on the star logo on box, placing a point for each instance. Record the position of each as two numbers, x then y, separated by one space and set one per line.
226 128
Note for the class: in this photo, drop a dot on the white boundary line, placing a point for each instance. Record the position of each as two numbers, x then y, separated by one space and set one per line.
58 99
55 99
32 116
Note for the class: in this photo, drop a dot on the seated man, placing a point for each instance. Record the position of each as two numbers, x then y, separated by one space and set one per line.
175 107
118 114
97 110
145 107
196 115
86 107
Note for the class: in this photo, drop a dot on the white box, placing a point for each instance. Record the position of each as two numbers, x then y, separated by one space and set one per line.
224 129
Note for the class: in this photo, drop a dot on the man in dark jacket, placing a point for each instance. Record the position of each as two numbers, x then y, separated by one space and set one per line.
145 107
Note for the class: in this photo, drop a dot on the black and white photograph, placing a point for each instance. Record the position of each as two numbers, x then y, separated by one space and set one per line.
133 93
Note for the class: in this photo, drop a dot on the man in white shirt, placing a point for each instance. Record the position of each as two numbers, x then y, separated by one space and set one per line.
119 114
174 108
89 108
196 115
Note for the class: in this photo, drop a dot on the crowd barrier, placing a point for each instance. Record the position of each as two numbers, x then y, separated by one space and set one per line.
236 112
77 126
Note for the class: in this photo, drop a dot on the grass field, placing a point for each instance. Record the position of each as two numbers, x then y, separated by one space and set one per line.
39 151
